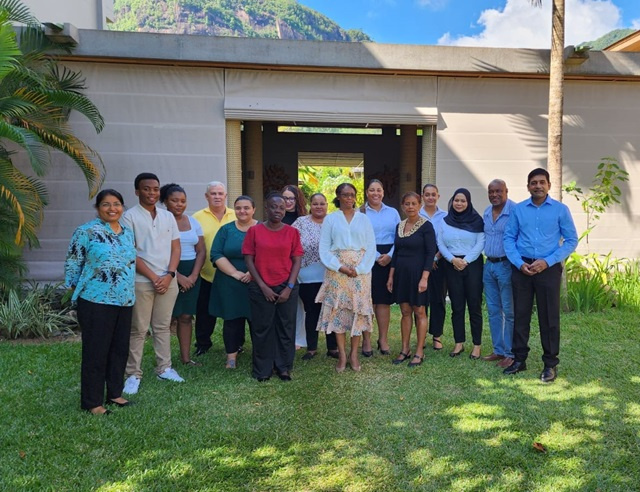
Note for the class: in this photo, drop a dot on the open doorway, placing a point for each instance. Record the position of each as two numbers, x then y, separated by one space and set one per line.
322 172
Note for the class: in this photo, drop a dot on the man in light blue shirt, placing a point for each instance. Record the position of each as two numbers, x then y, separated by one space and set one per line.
539 236
497 274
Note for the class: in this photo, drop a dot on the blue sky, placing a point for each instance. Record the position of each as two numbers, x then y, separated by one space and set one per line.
498 23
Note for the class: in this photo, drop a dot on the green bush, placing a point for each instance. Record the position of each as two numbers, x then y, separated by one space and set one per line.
626 283
588 288
36 312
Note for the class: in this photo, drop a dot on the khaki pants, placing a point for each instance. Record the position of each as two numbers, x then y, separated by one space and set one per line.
151 309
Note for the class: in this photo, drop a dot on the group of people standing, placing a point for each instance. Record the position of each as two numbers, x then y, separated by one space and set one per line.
140 269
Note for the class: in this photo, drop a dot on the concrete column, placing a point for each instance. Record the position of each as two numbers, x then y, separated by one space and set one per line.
254 164
429 155
408 153
234 160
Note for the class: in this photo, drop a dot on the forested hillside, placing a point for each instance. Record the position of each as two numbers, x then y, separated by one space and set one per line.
284 19
609 38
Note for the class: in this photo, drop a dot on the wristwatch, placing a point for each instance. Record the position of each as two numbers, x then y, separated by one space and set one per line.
173 274
290 285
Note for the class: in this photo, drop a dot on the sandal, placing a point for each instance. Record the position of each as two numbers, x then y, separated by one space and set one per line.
399 360
191 363
231 364
414 364
437 340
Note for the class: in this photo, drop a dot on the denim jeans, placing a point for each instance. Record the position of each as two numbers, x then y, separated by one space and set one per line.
499 297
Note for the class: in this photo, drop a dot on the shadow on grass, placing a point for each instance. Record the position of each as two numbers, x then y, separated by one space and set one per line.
451 424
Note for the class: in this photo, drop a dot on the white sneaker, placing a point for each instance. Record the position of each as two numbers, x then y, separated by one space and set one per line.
131 385
170 374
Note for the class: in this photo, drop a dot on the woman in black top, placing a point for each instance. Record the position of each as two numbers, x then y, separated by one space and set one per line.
294 202
414 249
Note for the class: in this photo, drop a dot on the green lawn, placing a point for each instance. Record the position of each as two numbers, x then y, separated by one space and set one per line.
451 424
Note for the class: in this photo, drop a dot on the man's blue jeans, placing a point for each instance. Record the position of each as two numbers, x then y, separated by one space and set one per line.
499 297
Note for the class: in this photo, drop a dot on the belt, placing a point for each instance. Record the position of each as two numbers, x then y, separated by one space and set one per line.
528 260
497 260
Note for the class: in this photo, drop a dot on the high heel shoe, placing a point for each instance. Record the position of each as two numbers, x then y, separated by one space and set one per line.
383 352
437 340
456 354
401 358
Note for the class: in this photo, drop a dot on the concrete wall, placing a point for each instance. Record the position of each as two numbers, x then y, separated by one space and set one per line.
170 120
497 128
158 119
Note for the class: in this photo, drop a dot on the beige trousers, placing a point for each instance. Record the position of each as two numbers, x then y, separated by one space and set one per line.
151 310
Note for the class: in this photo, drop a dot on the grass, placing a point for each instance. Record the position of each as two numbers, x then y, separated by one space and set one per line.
451 424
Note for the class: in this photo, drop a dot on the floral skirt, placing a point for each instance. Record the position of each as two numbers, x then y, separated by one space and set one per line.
346 302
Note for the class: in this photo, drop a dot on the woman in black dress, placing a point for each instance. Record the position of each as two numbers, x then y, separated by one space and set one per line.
414 249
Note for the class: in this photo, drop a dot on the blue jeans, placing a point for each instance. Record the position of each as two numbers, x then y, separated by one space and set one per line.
499 297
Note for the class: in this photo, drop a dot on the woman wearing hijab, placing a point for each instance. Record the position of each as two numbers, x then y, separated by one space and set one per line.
461 241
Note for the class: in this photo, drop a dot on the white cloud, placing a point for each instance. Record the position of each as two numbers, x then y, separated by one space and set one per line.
520 25
635 24
432 4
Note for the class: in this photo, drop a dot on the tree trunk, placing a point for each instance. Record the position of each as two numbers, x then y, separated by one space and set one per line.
556 99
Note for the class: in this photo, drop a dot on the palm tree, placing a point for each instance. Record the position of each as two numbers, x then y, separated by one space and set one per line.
556 96
36 98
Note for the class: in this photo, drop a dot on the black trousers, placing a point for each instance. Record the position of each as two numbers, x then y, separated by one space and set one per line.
105 348
465 291
545 286
437 299
233 334
273 331
308 293
205 323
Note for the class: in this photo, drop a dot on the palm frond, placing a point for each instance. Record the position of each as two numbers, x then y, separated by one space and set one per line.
30 142
9 50
66 79
73 101
87 159
18 12
22 199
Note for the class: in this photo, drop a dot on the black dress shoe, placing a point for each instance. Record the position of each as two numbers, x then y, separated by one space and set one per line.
515 367
262 380
549 374
334 354
200 351
125 404
285 376
367 354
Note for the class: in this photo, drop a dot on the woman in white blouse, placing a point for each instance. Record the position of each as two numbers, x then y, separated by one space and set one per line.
461 241
348 251
312 274
192 254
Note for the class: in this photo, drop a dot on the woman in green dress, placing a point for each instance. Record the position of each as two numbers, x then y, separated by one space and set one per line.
229 295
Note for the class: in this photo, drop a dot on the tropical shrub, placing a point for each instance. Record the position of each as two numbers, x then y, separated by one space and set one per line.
35 312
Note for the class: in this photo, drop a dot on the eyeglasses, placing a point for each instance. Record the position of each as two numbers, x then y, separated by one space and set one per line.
347 195
289 198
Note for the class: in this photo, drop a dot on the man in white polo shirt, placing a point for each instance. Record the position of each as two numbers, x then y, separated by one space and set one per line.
157 241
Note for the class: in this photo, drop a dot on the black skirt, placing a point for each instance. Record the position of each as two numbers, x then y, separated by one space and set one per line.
379 277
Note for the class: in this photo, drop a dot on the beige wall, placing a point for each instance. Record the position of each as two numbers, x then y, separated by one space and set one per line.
497 128
84 14
171 121
162 120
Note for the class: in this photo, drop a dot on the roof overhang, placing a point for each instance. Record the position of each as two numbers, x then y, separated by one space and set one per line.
326 56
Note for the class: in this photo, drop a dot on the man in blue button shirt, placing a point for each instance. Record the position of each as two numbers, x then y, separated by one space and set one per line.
497 274
539 236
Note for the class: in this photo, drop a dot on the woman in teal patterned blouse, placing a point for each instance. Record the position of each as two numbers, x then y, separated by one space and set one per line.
100 269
